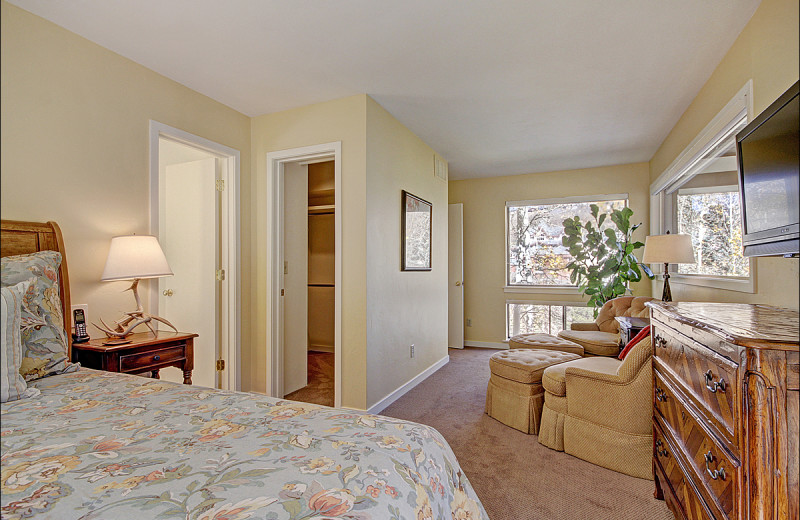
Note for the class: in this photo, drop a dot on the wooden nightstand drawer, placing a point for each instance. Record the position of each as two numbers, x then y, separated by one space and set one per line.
145 360
707 378
711 466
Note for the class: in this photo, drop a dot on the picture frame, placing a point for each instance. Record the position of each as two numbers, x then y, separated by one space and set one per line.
416 233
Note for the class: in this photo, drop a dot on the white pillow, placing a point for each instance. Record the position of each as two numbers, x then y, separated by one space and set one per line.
12 384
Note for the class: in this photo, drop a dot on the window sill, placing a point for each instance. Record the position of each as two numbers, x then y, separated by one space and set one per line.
745 285
541 289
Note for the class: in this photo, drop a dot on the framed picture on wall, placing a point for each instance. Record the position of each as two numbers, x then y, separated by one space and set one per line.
417 224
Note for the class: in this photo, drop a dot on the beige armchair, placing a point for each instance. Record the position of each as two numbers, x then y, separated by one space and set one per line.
601 337
599 409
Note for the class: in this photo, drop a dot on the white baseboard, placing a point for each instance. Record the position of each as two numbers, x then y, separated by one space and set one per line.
397 394
487 344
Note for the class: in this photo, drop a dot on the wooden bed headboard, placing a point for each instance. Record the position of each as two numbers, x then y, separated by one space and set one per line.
19 238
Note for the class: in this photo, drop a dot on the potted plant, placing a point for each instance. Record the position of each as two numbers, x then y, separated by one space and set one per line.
603 264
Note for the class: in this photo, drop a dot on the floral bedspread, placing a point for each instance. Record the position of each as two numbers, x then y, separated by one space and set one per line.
113 446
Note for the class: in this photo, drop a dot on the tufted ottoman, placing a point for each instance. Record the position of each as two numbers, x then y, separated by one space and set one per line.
515 394
545 341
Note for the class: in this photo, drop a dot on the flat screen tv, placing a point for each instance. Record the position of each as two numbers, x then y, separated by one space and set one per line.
768 153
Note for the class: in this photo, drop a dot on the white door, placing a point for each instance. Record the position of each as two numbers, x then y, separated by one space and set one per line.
455 293
190 239
295 277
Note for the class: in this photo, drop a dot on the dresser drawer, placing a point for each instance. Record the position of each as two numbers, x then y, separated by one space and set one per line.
667 469
712 467
144 360
706 377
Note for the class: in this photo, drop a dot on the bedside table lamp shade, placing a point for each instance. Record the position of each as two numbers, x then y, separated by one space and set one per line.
135 256
668 249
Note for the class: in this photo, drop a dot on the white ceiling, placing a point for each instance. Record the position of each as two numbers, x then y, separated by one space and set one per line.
498 88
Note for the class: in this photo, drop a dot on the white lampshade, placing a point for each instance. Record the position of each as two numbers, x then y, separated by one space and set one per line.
668 249
135 256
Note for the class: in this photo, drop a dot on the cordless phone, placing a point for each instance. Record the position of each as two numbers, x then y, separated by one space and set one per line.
80 335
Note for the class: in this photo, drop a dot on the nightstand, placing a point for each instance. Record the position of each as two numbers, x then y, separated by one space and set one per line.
144 353
629 327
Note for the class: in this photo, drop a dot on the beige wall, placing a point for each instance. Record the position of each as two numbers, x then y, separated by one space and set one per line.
484 232
340 120
402 307
75 133
766 51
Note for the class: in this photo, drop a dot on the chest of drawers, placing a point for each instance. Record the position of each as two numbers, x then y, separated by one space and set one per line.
726 394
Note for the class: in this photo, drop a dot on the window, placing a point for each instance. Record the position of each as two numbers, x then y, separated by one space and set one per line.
698 195
534 254
712 218
543 318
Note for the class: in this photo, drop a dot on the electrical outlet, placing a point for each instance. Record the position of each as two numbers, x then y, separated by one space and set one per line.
412 350
469 322
84 306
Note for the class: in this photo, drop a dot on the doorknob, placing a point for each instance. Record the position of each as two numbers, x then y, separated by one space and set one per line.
458 284
167 292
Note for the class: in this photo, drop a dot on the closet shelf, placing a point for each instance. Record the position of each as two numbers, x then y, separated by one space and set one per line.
321 210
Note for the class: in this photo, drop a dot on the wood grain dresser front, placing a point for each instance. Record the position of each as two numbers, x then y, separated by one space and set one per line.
725 410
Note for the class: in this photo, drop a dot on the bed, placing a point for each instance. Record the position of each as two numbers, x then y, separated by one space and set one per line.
104 445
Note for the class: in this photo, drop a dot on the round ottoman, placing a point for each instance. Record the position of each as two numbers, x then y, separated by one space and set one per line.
545 341
515 394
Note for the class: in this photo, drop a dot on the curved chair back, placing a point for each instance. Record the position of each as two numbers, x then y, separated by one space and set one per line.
631 306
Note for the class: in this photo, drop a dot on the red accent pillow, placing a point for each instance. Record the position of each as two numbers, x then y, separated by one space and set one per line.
632 343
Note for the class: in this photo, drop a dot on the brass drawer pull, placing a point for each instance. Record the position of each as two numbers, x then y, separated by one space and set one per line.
661 453
714 385
661 395
718 473
660 341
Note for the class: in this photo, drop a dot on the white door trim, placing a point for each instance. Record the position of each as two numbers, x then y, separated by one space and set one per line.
230 322
274 196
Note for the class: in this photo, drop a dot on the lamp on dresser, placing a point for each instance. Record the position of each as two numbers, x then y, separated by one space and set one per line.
134 257
668 249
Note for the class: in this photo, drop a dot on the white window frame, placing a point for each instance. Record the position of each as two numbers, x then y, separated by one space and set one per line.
551 289
572 303
662 212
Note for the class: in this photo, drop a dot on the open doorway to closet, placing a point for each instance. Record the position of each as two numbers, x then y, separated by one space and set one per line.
309 281
305 284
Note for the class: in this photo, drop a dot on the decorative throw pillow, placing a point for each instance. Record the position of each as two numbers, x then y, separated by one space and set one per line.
634 340
44 342
12 384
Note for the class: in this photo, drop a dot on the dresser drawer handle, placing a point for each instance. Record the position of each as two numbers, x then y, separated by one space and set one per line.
661 453
718 473
714 385
661 395
156 357
660 341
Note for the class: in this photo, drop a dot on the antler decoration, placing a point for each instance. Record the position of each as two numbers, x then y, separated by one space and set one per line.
133 319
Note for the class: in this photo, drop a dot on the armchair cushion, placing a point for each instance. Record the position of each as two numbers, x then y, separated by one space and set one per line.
554 377
584 326
594 342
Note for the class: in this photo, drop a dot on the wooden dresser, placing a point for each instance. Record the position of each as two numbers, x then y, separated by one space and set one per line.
726 393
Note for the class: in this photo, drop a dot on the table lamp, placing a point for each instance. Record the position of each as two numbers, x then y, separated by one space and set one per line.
134 257
668 249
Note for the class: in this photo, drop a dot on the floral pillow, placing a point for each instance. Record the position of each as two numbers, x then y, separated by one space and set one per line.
12 385
44 342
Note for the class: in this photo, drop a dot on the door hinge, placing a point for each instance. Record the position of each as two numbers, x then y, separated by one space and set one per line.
220 365
220 275
221 185
282 293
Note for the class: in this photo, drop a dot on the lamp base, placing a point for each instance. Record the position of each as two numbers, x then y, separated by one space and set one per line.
666 296
124 327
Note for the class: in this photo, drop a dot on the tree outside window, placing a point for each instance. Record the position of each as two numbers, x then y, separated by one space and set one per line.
535 253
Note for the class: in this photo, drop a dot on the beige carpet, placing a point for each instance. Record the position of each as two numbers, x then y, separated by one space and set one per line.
516 477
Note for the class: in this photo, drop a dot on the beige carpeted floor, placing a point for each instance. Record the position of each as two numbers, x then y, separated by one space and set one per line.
515 477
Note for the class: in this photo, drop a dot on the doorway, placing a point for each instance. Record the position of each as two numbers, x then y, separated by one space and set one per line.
305 282
194 213
455 291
